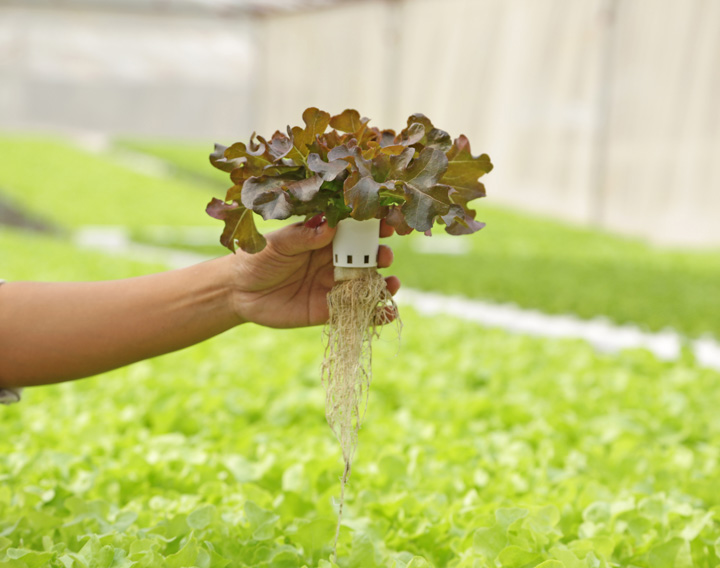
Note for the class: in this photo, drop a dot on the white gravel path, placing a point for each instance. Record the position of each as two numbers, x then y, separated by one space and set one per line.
600 332
116 241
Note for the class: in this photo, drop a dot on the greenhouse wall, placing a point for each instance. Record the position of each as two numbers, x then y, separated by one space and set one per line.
601 112
162 74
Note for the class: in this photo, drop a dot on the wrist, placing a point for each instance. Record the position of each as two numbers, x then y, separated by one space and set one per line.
234 271
209 289
227 282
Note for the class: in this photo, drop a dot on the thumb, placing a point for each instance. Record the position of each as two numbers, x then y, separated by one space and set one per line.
299 238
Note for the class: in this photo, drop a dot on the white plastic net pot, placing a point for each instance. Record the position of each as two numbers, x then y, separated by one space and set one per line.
356 243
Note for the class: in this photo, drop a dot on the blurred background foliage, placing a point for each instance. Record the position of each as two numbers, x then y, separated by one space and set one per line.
480 447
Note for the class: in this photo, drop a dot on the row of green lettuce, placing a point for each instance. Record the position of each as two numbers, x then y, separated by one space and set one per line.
67 187
518 258
479 449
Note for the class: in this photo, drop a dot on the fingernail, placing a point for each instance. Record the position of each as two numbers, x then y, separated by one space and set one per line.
315 222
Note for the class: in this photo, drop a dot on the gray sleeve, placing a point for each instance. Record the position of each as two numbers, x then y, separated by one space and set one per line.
9 395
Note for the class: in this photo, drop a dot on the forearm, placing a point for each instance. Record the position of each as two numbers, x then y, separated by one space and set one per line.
52 332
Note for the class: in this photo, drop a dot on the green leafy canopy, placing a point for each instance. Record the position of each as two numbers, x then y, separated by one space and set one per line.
340 167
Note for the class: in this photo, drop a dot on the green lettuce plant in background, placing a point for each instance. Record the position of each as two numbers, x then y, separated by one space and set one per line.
505 451
480 448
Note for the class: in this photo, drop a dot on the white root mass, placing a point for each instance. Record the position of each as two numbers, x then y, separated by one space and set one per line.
359 304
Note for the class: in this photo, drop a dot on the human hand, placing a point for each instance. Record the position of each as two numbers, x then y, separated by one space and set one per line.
286 284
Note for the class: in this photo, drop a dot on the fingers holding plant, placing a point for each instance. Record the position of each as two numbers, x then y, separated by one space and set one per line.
286 284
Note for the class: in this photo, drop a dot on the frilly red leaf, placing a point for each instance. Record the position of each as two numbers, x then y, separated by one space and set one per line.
413 179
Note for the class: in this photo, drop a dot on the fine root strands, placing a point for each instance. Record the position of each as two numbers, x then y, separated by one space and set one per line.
359 304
